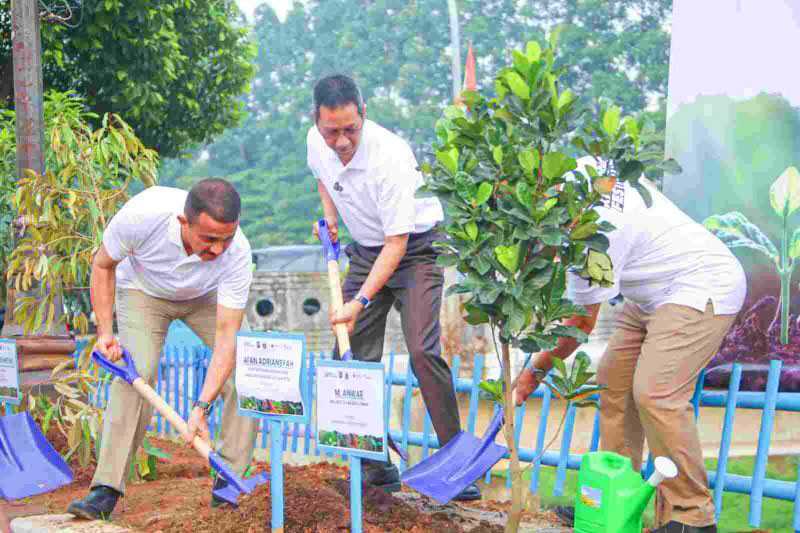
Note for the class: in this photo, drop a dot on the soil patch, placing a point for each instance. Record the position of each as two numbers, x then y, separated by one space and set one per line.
316 497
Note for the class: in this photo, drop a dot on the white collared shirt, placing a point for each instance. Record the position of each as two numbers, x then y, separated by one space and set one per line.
145 236
660 255
374 193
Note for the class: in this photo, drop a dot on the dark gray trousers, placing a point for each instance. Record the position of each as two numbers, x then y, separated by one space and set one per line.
417 286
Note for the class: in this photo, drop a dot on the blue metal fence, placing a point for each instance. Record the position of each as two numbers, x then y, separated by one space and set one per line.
182 370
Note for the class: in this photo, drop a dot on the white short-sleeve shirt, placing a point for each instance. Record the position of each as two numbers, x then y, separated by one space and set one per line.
145 236
660 255
375 192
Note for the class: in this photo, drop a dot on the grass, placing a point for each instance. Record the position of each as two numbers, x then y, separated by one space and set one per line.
776 515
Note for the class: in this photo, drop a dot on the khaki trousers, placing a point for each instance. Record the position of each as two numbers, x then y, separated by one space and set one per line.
650 367
143 323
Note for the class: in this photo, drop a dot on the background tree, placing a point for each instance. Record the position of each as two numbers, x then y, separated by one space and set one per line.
398 52
173 68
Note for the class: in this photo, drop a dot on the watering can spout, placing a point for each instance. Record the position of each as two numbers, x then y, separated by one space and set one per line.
664 469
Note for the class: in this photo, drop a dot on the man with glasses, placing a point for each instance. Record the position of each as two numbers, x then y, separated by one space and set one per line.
369 176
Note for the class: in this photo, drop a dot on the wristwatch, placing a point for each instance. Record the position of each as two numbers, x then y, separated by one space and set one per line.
205 406
363 300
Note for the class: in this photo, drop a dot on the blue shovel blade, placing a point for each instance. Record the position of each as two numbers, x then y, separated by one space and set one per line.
236 485
29 465
460 463
231 494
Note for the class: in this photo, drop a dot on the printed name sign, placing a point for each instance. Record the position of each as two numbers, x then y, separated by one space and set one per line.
350 408
9 372
270 375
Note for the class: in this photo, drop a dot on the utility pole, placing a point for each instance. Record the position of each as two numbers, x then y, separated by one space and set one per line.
26 45
455 48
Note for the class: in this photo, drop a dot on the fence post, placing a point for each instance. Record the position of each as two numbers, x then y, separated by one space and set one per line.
727 432
762 453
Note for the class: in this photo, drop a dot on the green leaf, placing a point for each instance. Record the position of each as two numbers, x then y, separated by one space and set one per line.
497 154
533 51
518 85
508 256
630 170
448 159
556 164
521 62
471 228
565 98
524 194
611 120
528 160
560 367
582 231
794 248
484 193
736 231
784 194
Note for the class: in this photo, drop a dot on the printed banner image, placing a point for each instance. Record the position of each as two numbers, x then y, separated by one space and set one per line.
269 371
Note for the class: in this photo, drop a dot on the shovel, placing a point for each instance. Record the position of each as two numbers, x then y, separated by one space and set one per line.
331 251
236 485
458 464
29 465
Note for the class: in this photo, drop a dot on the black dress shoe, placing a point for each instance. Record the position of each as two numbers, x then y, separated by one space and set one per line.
678 527
97 505
565 514
469 494
384 476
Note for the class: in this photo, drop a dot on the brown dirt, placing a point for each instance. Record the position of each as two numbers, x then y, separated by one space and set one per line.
316 501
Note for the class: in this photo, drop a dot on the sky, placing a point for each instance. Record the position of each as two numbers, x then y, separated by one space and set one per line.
736 48
280 6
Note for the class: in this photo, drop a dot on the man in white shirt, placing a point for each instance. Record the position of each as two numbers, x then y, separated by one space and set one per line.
369 176
683 289
168 255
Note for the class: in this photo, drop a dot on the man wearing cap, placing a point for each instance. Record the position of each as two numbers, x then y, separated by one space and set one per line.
369 177
683 289
169 255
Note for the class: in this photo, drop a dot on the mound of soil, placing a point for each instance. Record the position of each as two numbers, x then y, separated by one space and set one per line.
316 500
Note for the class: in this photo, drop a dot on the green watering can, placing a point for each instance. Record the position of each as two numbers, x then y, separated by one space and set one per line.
612 495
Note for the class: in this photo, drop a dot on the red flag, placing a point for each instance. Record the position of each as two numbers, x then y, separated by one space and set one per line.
469 71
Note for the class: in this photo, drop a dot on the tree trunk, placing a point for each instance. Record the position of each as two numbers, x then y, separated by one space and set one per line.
515 514
455 48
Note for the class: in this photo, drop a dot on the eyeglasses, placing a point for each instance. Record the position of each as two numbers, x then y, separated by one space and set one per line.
331 134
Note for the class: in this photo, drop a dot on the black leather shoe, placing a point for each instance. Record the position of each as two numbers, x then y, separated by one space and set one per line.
384 476
219 483
678 527
469 494
565 514
97 505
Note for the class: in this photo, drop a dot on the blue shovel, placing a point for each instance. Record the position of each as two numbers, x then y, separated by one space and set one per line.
459 463
236 485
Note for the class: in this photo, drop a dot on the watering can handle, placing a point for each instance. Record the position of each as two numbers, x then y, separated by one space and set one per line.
331 250
127 372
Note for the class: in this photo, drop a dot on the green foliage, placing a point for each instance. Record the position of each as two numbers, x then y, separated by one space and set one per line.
174 68
144 467
519 213
78 420
89 175
736 231
397 51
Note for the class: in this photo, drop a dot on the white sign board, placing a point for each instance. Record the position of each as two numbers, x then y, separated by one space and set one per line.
270 375
9 372
350 408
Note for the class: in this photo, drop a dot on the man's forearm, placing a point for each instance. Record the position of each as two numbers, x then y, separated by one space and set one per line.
383 268
103 283
219 370
328 207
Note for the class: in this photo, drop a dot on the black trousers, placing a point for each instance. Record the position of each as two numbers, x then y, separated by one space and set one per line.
417 285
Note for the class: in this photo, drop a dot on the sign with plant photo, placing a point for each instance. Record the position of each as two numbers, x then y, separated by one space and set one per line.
270 370
350 408
9 372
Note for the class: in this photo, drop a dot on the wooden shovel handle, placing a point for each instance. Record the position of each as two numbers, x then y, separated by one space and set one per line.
152 397
337 302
